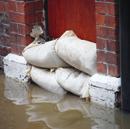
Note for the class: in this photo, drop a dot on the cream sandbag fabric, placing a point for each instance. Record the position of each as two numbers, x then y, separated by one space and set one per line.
74 81
43 55
46 80
80 54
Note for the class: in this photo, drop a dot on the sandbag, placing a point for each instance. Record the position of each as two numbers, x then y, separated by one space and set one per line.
46 79
74 81
43 55
80 54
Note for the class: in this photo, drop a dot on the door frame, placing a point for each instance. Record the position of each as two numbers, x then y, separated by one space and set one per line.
125 53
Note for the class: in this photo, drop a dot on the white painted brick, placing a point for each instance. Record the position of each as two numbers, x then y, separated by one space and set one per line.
102 89
106 103
102 93
16 67
105 82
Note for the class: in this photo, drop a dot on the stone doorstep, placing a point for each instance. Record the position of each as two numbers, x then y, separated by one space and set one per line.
16 67
102 89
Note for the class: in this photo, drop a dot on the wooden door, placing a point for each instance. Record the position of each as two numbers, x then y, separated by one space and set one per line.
77 15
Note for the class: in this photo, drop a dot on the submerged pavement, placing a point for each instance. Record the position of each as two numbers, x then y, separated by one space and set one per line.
27 106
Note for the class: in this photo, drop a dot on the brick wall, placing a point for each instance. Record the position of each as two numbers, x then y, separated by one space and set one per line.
107 37
17 18
23 14
4 30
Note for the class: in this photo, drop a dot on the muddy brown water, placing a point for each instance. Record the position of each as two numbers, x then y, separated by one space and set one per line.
25 106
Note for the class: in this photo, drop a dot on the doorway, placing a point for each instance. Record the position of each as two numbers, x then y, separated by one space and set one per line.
76 15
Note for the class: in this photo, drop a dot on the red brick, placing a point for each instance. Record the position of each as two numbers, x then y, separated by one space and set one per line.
17 49
13 38
39 17
17 17
29 39
110 21
20 49
100 0
102 68
30 19
12 5
1 6
22 18
13 27
6 6
19 40
114 70
99 31
111 9
24 40
110 1
14 49
101 56
112 58
39 5
5 40
4 50
100 19
111 33
106 8
30 8
112 45
106 32
20 6
101 43
101 7
24 29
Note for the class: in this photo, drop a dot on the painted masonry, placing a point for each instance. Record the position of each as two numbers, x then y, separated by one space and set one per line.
18 17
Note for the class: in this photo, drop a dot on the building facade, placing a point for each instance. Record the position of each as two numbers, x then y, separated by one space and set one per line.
17 17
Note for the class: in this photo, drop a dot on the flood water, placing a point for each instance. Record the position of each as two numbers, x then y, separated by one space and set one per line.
25 106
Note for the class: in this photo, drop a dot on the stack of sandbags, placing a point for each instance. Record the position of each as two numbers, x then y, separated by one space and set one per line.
67 51
45 57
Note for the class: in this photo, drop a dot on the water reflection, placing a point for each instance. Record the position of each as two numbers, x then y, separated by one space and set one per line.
47 110
49 113
23 93
40 95
16 91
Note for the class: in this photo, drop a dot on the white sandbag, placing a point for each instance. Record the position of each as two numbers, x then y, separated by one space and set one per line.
43 55
46 80
80 54
74 81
